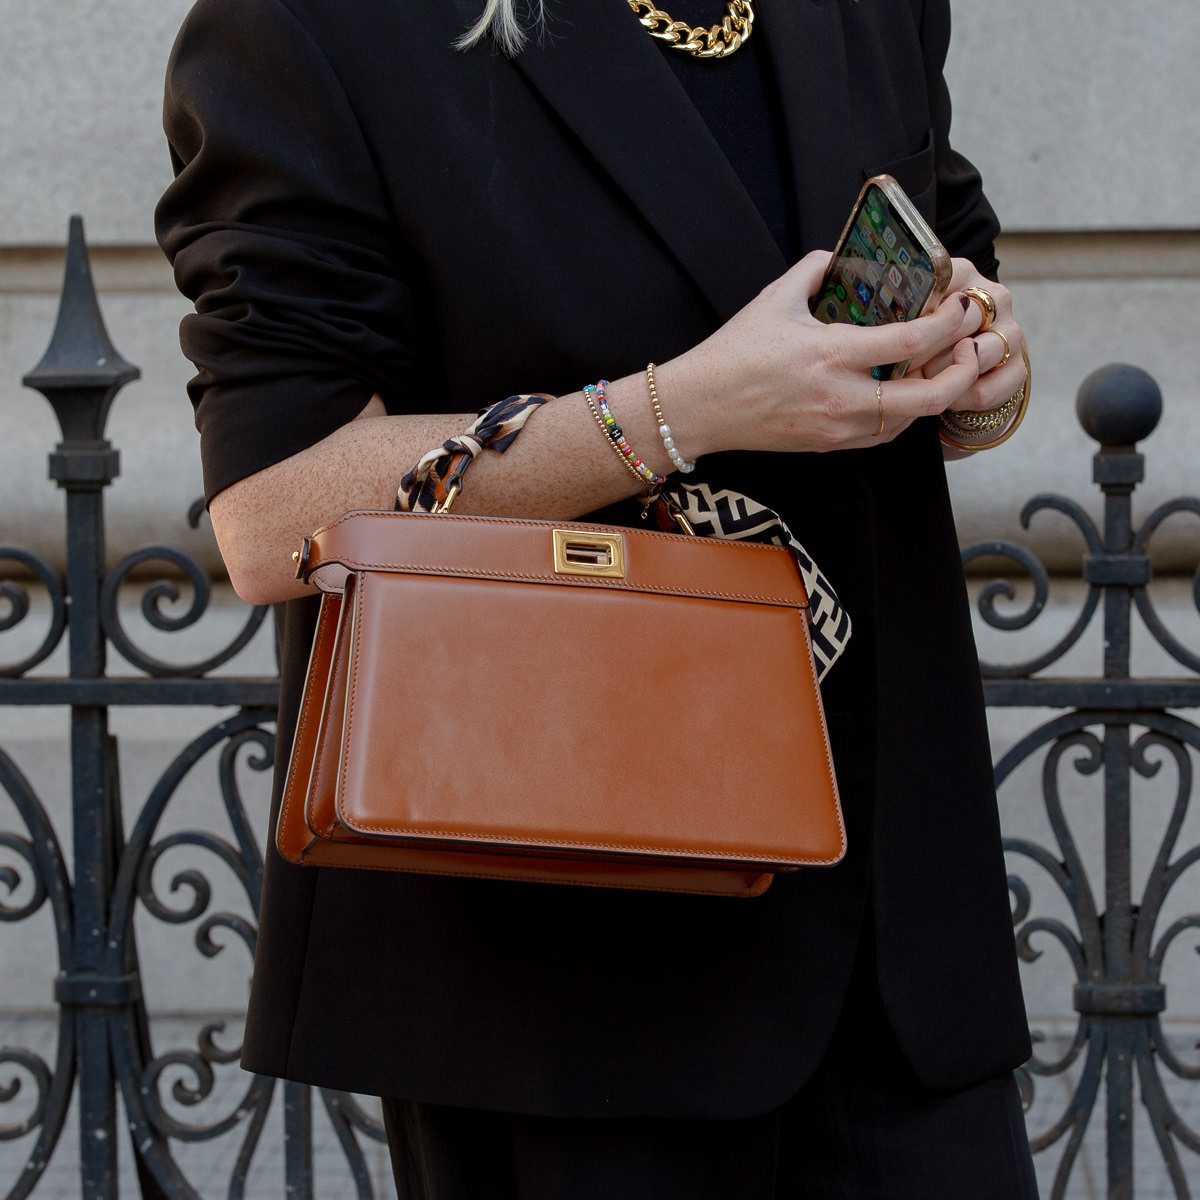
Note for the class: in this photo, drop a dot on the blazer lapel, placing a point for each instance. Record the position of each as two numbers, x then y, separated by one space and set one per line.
606 78
808 50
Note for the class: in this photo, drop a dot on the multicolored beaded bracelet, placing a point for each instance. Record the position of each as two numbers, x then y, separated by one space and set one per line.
588 395
594 394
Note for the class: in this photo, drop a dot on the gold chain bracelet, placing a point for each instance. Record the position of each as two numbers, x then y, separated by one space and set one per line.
959 429
991 418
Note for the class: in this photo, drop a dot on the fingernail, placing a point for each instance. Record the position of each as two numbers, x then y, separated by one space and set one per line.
965 301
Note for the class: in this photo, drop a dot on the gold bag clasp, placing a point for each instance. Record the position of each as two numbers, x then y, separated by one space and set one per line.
581 552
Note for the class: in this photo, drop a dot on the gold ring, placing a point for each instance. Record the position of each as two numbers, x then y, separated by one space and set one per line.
987 306
1007 347
879 401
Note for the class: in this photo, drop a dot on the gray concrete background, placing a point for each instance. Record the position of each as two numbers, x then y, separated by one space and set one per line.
1082 116
80 105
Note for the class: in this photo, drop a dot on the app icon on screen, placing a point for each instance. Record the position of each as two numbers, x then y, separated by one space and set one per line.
855 312
832 311
903 257
863 292
895 276
889 237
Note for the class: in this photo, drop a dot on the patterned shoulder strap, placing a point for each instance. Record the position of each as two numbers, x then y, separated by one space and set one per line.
731 515
433 483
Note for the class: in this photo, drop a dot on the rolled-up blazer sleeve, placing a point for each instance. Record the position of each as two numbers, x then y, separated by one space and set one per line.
279 231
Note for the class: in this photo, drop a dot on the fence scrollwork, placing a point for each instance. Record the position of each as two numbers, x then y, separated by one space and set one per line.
15 607
1117 729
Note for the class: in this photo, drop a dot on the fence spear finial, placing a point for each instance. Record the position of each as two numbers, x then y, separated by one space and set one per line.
80 374
81 371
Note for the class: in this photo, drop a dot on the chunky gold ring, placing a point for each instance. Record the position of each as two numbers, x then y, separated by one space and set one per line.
987 306
879 401
1007 347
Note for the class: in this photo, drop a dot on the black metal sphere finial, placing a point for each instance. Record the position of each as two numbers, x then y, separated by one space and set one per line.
1119 405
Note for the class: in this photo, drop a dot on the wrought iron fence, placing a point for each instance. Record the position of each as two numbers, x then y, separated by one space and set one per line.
1113 726
1118 728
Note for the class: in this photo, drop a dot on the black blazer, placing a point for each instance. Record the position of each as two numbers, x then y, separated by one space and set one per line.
360 208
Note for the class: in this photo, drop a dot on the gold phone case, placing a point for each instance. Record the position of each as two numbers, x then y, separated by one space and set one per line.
919 233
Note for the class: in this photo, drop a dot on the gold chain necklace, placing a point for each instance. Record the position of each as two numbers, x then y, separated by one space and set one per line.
700 43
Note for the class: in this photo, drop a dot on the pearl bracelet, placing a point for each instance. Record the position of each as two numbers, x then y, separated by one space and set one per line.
680 463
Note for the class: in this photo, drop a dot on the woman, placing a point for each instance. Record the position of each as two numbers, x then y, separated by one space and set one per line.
386 228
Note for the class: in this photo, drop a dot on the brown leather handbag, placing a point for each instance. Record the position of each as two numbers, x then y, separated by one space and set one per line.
560 702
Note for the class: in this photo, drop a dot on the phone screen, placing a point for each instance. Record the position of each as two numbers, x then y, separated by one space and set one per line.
879 275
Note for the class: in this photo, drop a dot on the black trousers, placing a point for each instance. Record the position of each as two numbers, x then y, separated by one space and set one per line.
862 1128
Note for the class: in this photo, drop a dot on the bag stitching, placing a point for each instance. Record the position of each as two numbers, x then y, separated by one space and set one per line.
287 804
362 826
565 880
639 534
367 826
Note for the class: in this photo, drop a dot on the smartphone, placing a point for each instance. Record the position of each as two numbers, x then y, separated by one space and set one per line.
888 266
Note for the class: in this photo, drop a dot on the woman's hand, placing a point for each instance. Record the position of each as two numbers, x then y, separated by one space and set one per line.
1001 365
775 378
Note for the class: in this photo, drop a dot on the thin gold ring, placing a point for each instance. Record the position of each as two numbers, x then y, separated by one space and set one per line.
1007 347
879 401
987 306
